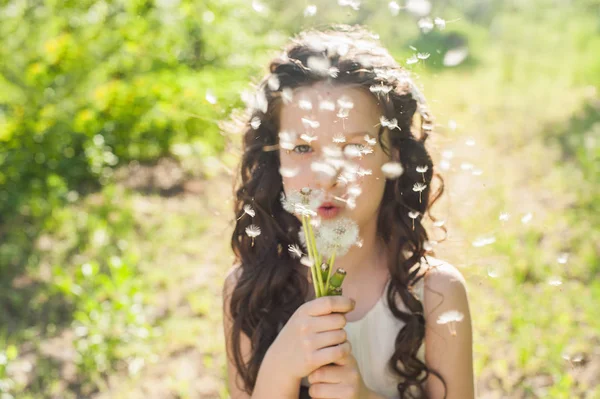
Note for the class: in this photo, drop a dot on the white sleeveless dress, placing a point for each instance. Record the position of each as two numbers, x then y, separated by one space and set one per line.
372 339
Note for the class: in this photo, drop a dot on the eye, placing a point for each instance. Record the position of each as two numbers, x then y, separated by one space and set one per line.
302 149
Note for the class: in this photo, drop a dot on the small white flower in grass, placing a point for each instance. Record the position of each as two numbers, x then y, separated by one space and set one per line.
305 105
339 138
440 23
563 258
392 170
309 123
255 122
287 95
370 140
273 82
412 60
210 97
419 187
423 56
253 231
295 251
413 215
450 318
308 137
527 218
288 172
422 169
310 10
394 8
504 216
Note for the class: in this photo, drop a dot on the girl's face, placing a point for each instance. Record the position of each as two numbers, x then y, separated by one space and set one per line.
328 140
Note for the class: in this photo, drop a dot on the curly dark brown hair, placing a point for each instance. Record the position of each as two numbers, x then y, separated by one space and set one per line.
273 284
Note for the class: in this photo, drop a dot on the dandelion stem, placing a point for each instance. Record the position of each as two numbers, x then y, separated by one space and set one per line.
331 260
313 270
316 257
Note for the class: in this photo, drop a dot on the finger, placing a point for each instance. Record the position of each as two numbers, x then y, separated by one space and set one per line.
332 354
330 304
328 338
328 374
330 322
325 391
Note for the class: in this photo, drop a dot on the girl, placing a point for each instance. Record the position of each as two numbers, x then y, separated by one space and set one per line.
335 115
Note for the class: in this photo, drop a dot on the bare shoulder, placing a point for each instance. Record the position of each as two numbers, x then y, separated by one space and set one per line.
444 283
231 278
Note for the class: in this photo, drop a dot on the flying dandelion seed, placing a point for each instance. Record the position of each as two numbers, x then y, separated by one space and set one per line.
439 223
483 241
288 172
455 56
452 124
422 169
319 65
428 245
504 216
295 251
327 105
310 10
308 123
440 23
351 151
354 4
477 172
333 152
563 258
413 215
210 97
248 210
450 318
392 170
306 261
413 48
366 151
339 138
425 24
345 102
419 187
554 281
370 140
448 154
470 142
394 8
445 165
412 60
308 138
527 218
466 166
380 88
354 191
273 82
391 124
259 7
364 172
419 8
423 56
253 231
492 271
323 167
333 72
305 105
255 122
287 95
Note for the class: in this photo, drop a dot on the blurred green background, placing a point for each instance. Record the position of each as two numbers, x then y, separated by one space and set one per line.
116 183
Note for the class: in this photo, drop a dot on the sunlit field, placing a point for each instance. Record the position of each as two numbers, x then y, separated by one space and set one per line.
117 165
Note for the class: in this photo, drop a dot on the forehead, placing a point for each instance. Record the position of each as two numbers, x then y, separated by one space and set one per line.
359 109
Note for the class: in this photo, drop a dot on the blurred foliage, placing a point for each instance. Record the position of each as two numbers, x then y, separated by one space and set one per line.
86 87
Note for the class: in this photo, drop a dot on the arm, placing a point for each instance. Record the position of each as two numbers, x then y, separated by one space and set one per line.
448 354
269 377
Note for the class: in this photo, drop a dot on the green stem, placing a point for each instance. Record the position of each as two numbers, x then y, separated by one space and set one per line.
331 260
313 270
317 259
